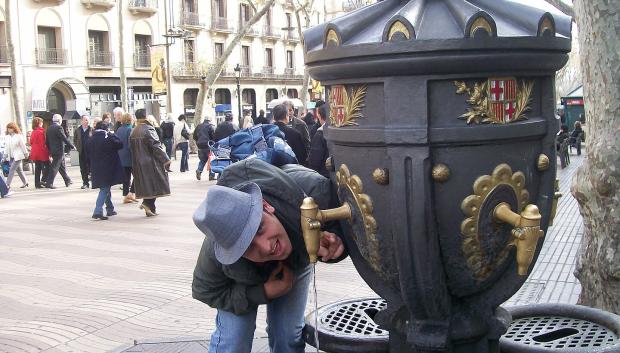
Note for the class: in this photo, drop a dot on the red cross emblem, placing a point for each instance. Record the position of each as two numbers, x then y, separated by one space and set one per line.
502 93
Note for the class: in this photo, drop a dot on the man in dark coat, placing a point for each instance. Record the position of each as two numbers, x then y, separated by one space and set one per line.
318 146
225 128
292 136
81 135
106 169
149 161
260 119
300 126
203 134
55 139
167 134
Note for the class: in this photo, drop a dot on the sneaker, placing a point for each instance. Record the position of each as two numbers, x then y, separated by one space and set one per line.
100 216
198 174
85 186
111 213
68 183
24 186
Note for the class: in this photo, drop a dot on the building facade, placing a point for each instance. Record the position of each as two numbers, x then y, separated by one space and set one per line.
68 56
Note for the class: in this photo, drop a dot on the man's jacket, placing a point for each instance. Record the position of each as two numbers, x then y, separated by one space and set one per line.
55 139
238 288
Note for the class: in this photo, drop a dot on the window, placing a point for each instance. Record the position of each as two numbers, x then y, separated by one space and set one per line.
271 94
142 43
46 37
245 13
189 6
289 59
219 8
222 96
188 49
289 22
96 41
268 57
98 54
245 55
219 50
292 93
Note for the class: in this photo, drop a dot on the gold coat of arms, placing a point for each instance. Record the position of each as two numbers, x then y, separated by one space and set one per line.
345 109
499 100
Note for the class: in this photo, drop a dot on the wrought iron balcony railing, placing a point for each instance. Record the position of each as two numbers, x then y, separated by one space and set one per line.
191 70
220 24
251 31
141 59
106 4
50 56
191 19
246 71
100 59
143 6
291 35
271 32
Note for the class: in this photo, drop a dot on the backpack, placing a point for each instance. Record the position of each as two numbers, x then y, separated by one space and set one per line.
265 142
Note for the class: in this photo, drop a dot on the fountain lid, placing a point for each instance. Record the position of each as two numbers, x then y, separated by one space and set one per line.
423 20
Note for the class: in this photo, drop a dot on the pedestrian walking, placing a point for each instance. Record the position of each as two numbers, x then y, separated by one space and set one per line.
203 134
81 135
301 127
56 140
181 140
225 128
247 121
167 132
39 153
151 119
149 162
105 168
260 257
16 152
123 133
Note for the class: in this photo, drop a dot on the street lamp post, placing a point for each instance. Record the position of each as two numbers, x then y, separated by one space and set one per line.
238 76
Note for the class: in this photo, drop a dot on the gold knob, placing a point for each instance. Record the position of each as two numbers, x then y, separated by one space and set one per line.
526 232
381 176
543 162
441 173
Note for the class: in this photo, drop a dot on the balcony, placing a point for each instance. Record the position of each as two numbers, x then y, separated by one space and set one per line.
251 31
100 59
105 4
268 72
291 36
191 20
148 7
246 71
289 74
4 55
191 70
271 32
142 60
50 56
50 1
221 24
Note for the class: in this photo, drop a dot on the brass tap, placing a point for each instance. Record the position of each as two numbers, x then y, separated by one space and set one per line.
556 198
526 232
311 220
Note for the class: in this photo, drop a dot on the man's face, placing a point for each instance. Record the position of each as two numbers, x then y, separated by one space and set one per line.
271 243
85 121
291 110
117 116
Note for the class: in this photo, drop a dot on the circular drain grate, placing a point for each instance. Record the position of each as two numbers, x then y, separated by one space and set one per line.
353 318
558 332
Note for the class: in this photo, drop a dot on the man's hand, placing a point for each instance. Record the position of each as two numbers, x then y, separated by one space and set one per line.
277 285
331 246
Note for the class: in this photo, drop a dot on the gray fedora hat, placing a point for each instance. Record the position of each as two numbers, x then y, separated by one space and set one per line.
231 218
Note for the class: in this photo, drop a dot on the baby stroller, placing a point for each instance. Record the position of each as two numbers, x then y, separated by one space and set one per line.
220 159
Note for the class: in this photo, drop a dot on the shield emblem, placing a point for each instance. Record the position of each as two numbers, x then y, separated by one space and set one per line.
338 98
502 93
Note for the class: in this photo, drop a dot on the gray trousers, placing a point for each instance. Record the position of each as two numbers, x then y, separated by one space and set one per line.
16 166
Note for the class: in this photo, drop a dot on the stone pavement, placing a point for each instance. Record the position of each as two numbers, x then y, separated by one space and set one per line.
71 284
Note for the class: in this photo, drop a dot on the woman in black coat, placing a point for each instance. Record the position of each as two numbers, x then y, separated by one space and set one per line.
105 167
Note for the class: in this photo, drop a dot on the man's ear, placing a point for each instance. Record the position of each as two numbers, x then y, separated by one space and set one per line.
267 207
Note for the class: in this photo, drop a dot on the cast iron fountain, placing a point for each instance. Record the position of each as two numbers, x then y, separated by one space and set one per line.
442 141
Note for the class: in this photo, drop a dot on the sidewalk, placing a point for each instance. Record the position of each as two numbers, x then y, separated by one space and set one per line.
551 281
71 284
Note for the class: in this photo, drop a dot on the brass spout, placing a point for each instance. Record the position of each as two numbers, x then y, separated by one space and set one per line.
311 220
556 198
526 232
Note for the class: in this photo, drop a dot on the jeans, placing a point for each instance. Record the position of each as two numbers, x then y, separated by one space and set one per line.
41 169
16 166
127 182
168 144
184 156
105 196
285 320
84 167
3 188
57 166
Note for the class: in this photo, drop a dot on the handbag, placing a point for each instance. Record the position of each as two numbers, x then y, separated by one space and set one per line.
184 132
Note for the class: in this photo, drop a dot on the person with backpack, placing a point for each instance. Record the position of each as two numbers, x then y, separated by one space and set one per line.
203 134
260 258
181 140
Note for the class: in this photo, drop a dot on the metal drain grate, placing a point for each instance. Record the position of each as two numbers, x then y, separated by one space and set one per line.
560 332
354 318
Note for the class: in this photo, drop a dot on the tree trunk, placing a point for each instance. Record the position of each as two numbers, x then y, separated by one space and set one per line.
13 61
214 72
121 54
596 184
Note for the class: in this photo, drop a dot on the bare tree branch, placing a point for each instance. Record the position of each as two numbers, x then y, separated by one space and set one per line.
214 71
305 8
562 6
252 5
